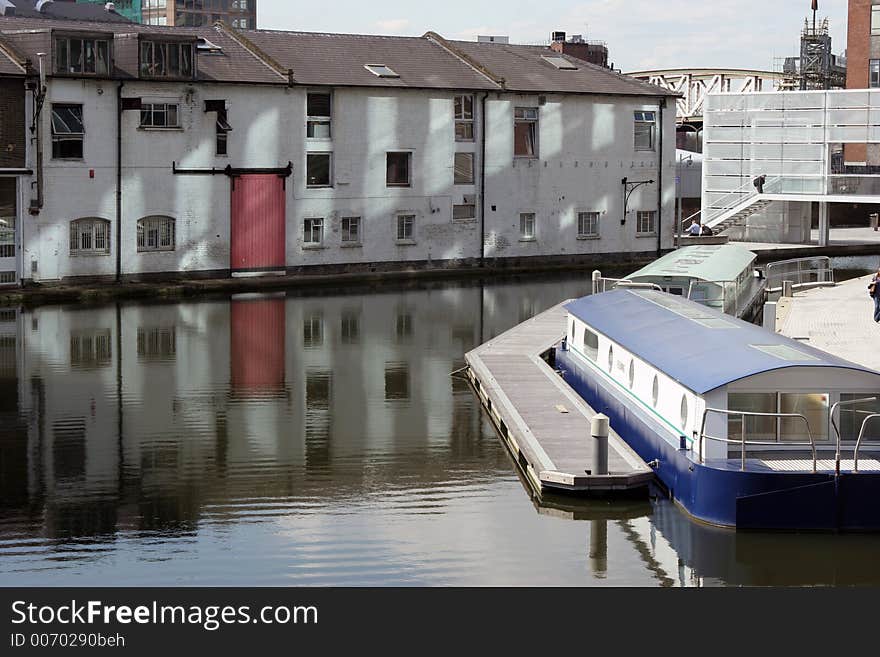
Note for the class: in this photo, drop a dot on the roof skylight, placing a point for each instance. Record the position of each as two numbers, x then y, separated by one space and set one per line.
783 352
695 313
561 63
381 71
203 45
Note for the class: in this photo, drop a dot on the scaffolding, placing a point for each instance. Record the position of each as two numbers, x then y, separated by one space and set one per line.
816 68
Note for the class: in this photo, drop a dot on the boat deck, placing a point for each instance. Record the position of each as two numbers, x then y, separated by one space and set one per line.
544 422
836 319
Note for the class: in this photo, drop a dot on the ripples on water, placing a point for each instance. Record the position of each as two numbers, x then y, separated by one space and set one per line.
317 441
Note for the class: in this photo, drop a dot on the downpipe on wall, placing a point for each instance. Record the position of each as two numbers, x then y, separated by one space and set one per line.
483 179
661 107
119 87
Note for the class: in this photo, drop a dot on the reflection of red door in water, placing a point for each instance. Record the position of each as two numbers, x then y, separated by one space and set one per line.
258 243
257 346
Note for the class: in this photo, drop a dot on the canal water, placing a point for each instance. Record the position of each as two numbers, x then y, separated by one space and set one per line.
319 440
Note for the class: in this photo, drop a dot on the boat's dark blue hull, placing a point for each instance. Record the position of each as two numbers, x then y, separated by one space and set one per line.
720 493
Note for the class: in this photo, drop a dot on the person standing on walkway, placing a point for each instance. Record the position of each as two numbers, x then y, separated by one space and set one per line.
759 183
874 291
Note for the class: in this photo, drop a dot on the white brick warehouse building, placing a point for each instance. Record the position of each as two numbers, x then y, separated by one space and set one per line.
208 151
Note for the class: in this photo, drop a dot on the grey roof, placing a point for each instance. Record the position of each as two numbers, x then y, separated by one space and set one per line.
339 60
427 62
67 11
235 64
524 69
11 63
432 62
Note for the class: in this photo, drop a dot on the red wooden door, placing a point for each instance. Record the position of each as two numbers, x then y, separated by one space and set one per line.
258 213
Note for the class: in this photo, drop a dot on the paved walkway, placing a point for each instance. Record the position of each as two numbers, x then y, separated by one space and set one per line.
837 319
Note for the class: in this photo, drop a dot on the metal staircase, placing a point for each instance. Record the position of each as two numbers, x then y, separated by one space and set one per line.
740 213
732 209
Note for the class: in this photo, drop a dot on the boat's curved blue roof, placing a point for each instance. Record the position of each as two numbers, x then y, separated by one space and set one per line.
700 347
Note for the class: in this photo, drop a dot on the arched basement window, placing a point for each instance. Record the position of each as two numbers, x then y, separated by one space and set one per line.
90 236
155 233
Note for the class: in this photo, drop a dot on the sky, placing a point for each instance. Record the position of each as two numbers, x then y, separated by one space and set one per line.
641 34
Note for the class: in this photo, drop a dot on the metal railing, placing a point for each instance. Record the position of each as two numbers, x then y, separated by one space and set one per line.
728 202
742 442
720 301
815 271
603 284
836 428
859 441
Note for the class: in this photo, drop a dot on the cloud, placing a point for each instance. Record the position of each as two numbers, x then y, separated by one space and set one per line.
393 25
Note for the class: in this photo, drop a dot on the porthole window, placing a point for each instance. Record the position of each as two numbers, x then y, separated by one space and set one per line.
655 391
632 373
684 411
573 333
610 359
591 345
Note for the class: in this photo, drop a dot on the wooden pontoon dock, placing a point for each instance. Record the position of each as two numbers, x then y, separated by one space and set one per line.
545 423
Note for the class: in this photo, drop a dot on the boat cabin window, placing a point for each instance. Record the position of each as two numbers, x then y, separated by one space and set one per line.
632 373
677 291
610 359
851 417
684 411
591 345
812 406
655 391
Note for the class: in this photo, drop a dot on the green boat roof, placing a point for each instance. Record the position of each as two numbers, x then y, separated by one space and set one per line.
711 262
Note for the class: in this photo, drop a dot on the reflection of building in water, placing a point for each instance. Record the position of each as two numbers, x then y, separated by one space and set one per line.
149 417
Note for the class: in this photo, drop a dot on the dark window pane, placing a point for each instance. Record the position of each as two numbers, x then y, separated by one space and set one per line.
318 105
318 169
398 169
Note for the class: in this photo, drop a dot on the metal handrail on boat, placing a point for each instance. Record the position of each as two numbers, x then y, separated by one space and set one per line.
835 407
743 442
600 284
710 300
859 441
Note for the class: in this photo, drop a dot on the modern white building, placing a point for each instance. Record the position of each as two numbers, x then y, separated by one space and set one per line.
209 151
811 147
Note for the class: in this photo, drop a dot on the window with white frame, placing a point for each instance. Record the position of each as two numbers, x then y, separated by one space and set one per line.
318 170
166 59
464 118
313 231
406 227
588 225
644 129
67 131
875 19
82 56
646 222
527 226
464 169
89 236
318 113
160 115
155 234
351 230
525 132
874 73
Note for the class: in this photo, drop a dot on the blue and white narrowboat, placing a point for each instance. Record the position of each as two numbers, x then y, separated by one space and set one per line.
745 428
